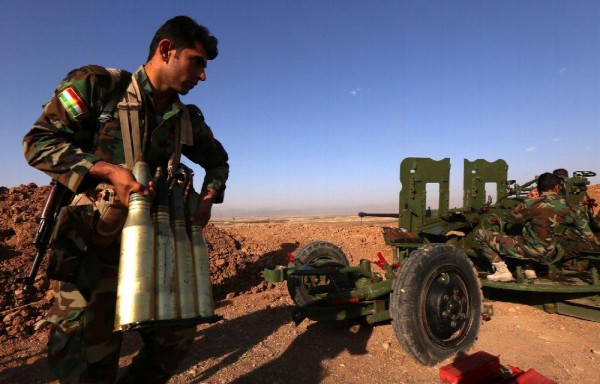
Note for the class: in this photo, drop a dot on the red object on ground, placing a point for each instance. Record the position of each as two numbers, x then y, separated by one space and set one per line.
480 367
528 377
483 368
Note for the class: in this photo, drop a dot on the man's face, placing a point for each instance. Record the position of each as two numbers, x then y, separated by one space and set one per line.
186 68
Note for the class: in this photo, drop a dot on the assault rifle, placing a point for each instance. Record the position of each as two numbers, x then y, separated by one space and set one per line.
58 197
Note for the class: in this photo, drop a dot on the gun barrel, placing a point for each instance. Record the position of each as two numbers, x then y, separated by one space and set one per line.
365 214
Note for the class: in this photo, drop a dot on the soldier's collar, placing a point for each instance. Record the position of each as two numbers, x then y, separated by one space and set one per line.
173 108
549 194
143 81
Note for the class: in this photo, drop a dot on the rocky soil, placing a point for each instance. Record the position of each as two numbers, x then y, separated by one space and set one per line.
256 342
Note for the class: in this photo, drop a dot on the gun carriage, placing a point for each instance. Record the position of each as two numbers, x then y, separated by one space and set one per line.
433 289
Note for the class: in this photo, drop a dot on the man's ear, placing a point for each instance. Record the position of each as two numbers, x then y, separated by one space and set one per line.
556 188
164 47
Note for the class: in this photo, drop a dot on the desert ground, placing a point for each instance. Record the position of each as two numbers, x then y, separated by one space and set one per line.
256 342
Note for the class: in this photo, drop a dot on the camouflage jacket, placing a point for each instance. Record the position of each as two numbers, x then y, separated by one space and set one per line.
549 216
67 138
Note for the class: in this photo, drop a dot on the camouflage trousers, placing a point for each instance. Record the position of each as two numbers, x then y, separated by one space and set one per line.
494 244
82 347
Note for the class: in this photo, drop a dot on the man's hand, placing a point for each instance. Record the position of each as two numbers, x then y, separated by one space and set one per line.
207 198
122 180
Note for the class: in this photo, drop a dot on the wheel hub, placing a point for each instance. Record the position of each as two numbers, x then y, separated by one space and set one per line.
446 307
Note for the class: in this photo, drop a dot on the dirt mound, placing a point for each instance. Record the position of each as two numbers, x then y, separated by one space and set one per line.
594 192
19 209
232 270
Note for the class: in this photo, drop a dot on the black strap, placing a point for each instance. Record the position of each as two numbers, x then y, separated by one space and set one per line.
108 110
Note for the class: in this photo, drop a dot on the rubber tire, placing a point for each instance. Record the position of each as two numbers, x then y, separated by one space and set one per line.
421 278
308 254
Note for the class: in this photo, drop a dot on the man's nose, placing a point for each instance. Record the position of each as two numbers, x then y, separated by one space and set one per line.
202 75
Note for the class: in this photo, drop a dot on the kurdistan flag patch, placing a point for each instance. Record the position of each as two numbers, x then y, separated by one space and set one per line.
71 101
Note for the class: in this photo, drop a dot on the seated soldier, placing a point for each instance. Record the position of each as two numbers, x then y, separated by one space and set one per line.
541 219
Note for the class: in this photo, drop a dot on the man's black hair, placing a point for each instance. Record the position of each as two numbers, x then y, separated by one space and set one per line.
561 172
184 32
547 181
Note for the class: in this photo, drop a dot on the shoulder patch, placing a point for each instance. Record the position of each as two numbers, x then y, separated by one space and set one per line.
71 101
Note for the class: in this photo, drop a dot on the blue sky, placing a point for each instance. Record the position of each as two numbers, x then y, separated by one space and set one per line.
318 102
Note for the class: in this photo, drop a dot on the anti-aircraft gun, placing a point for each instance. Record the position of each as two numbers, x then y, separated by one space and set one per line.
432 289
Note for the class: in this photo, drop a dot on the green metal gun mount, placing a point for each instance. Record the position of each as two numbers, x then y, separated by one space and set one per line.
433 289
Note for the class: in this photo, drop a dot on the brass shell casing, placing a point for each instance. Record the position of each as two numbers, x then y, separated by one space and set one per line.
202 270
135 291
201 263
186 282
167 300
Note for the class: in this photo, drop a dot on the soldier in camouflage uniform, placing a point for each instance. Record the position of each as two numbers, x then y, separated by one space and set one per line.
544 219
69 144
561 173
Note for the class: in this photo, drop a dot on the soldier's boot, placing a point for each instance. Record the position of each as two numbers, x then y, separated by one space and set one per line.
530 274
502 273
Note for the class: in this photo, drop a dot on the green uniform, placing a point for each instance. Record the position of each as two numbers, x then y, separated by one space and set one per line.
65 142
544 220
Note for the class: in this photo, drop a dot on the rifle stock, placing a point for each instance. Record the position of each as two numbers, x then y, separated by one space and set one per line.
58 197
